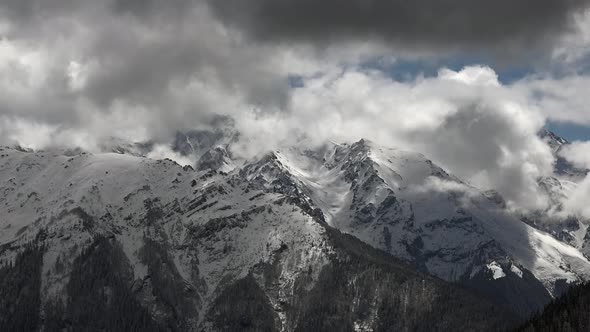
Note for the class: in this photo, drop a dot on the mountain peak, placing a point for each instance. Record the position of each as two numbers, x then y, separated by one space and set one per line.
555 141
562 166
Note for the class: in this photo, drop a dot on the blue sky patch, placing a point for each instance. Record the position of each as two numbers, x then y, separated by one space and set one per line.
407 70
571 132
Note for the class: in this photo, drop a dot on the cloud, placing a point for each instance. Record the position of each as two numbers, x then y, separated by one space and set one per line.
578 153
573 48
474 75
504 25
560 99
163 151
438 185
465 120
577 202
73 73
126 67
560 91
140 70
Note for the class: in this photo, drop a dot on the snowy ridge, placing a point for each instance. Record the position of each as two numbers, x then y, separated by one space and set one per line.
43 188
198 235
229 218
425 194
402 203
563 168
565 227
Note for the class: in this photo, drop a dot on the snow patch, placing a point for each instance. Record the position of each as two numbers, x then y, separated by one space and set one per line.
516 270
496 269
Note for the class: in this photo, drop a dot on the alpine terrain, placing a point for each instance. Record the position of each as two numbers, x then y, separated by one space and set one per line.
344 237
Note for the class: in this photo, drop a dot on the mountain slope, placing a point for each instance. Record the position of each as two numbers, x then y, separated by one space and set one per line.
122 242
566 227
562 166
568 313
212 227
404 204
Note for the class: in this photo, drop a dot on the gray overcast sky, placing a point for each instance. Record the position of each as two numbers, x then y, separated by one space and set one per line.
77 72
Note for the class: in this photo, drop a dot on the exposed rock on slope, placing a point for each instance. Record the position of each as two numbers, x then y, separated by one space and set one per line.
404 204
122 242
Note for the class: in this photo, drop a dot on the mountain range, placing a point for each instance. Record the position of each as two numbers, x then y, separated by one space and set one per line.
341 237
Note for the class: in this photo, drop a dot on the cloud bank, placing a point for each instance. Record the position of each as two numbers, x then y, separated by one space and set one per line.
578 153
467 121
74 73
509 26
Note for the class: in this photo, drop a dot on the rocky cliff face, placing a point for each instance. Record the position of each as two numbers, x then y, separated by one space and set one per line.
404 204
115 242
342 237
553 219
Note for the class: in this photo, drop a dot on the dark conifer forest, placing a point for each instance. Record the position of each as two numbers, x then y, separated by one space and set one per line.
568 313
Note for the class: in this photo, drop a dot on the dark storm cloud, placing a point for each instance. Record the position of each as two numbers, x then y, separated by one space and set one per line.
78 72
470 24
139 48
106 67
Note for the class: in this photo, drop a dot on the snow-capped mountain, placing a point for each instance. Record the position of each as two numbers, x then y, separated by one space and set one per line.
116 145
566 227
116 239
279 242
402 203
562 166
210 148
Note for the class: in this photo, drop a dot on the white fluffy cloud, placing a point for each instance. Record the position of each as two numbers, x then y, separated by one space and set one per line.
578 153
141 71
163 151
561 99
577 202
466 121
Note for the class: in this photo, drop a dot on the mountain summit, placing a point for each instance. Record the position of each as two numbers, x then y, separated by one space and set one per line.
340 237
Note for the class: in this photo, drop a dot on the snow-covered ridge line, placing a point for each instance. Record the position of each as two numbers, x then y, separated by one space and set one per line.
394 200
197 236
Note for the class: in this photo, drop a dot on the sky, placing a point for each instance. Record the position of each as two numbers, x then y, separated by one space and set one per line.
569 131
469 83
